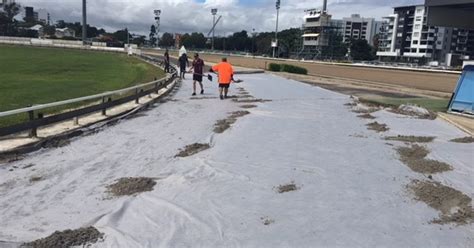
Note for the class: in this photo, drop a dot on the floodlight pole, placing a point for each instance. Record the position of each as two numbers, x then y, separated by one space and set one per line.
84 22
158 21
213 12
276 30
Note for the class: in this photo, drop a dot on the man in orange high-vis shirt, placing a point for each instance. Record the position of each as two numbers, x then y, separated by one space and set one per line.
226 76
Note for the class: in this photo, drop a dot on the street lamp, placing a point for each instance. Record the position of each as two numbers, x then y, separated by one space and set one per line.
157 19
275 43
213 12
84 22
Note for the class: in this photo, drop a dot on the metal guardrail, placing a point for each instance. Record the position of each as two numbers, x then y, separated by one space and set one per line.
35 122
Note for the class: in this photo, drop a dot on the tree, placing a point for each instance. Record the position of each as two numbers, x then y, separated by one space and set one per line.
166 40
140 40
153 35
49 30
7 19
361 50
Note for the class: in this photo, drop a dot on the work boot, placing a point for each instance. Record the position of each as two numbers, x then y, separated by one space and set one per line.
202 91
222 97
194 94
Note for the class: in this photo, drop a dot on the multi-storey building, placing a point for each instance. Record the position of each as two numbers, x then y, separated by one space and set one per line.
406 36
356 27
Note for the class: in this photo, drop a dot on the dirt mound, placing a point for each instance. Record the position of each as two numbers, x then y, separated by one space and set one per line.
287 188
248 106
468 139
366 116
378 127
131 186
415 158
190 150
68 238
412 139
415 111
222 125
455 207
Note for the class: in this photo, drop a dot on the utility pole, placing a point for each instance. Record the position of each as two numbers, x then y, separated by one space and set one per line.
84 22
275 45
213 12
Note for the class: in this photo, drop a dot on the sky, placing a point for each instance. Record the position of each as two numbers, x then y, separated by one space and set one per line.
180 16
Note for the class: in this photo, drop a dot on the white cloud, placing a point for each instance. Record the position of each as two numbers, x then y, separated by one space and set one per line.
192 16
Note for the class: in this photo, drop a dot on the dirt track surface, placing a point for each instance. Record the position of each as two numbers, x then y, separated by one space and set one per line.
442 82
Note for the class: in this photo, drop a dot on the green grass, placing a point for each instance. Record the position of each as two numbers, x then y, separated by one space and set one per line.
30 75
435 105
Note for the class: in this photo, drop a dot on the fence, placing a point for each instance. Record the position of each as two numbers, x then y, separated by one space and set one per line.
36 113
97 46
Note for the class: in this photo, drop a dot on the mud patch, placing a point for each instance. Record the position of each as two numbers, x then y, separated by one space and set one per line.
466 140
27 166
415 158
248 106
358 136
454 206
378 127
35 179
56 143
287 188
190 150
131 186
68 238
222 125
412 139
251 100
267 221
366 116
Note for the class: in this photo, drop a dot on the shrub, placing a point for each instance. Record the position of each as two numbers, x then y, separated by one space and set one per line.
294 69
274 67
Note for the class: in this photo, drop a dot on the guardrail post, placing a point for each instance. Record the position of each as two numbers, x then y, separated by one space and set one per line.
104 110
76 121
33 131
137 98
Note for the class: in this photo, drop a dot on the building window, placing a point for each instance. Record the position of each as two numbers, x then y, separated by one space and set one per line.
418 19
415 42
417 26
416 34
419 10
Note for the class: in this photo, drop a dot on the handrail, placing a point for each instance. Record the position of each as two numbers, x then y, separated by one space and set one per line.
80 99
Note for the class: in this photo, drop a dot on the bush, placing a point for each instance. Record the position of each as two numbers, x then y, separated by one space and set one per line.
294 69
274 67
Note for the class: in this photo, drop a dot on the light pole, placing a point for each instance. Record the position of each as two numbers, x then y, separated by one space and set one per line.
84 22
254 34
213 12
157 19
275 45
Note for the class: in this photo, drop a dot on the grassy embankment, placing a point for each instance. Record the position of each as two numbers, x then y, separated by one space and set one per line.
30 75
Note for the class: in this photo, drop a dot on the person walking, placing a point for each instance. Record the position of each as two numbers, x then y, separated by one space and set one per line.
167 61
197 66
226 76
183 63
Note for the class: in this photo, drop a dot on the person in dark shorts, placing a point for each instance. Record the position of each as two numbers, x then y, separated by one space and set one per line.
183 63
167 61
226 76
197 66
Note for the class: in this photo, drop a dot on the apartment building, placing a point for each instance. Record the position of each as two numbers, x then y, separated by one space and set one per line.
357 27
406 36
